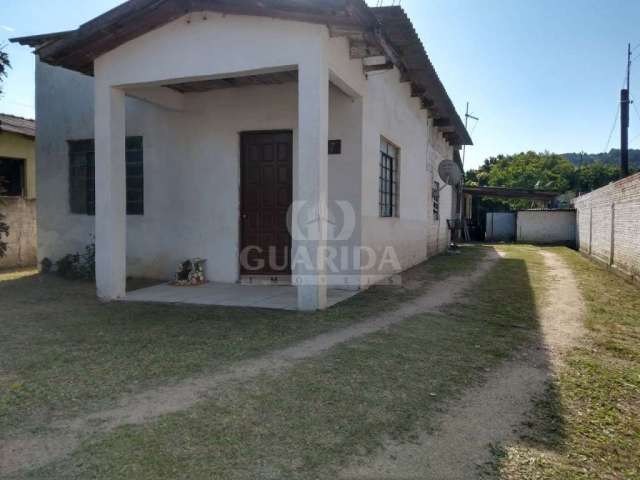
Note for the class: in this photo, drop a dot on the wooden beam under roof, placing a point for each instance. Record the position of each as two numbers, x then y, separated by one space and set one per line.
507 192
442 122
235 82
375 68
387 29
364 49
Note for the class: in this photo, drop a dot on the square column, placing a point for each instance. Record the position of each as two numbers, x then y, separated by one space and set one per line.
110 184
310 212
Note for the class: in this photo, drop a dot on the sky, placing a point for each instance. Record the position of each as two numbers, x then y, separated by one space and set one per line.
540 74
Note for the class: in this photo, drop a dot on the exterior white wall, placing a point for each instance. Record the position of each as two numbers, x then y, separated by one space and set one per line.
191 142
191 169
439 234
546 226
392 113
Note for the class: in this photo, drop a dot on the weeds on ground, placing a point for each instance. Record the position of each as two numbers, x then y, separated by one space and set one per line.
587 425
310 422
63 353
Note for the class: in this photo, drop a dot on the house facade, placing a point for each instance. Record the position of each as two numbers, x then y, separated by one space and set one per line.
17 157
18 190
295 139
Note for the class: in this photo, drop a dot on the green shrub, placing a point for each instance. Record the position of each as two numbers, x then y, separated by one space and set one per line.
78 266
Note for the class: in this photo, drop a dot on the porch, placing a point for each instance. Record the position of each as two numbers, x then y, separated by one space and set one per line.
280 297
236 146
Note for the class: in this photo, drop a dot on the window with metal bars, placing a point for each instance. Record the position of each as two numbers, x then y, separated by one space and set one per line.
11 177
389 179
435 195
82 197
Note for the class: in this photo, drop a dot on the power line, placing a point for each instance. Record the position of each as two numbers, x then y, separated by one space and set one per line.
615 122
635 107
20 104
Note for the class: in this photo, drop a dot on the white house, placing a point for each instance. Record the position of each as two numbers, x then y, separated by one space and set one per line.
270 137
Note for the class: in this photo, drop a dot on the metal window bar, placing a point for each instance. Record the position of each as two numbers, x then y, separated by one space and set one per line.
82 176
388 185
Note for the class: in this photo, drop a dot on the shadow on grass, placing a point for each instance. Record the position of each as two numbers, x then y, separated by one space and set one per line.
312 421
63 352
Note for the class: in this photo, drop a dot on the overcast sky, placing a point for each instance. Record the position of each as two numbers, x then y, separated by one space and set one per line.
540 74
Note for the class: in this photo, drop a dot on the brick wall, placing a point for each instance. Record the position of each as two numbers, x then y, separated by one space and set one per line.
22 240
609 225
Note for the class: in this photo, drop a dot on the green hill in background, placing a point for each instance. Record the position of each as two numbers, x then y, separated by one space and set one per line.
610 158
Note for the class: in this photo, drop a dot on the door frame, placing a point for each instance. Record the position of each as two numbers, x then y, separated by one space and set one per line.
242 135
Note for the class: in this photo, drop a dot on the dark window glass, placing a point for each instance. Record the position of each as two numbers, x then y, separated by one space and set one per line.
135 176
388 180
82 195
435 194
11 177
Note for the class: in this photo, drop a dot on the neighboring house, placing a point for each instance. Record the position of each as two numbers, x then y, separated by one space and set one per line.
213 118
17 157
18 189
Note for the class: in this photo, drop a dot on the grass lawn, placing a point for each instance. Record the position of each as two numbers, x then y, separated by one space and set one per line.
587 426
63 353
311 421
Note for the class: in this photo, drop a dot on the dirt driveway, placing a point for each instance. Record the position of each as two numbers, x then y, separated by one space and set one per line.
492 413
489 349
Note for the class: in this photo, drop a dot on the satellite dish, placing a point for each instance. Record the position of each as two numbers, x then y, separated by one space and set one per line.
450 172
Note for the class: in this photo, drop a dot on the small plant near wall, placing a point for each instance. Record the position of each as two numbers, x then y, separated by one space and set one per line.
190 273
46 265
4 227
75 266
4 232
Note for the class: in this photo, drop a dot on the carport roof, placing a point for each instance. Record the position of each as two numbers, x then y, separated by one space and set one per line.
385 29
507 192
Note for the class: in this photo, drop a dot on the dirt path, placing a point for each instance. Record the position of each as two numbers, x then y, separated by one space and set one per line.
34 451
493 412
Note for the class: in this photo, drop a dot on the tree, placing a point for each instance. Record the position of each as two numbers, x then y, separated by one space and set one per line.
541 171
4 228
595 175
5 65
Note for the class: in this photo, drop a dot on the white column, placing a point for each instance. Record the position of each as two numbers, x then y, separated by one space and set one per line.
111 219
310 181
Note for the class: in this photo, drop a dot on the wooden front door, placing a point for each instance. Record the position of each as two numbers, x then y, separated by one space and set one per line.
266 193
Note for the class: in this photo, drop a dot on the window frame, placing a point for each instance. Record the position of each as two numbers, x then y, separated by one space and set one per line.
134 158
389 179
20 166
435 199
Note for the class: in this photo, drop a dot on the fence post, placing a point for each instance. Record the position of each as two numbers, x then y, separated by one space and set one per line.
590 229
613 237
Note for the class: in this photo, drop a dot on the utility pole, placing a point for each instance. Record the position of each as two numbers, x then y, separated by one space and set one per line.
624 121
467 116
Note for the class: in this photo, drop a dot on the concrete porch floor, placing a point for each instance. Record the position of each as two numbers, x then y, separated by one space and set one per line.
281 297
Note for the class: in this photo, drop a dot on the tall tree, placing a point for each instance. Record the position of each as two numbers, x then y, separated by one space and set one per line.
5 65
542 171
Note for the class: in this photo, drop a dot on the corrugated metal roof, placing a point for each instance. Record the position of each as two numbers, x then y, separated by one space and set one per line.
548 210
388 26
20 125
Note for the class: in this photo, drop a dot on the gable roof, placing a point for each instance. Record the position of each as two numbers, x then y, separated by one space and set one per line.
384 29
13 124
